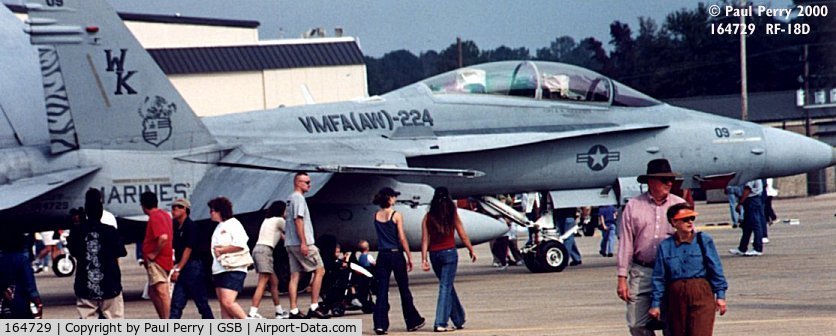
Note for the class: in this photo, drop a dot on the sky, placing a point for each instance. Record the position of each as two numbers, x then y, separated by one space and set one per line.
384 26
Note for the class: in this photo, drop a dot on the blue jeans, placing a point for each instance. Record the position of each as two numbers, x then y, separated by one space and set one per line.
753 223
734 194
190 285
17 272
445 263
608 239
389 262
567 224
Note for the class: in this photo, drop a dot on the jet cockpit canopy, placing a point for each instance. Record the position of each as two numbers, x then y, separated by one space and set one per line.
538 80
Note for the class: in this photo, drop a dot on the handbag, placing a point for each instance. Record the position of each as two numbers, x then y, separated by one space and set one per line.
236 259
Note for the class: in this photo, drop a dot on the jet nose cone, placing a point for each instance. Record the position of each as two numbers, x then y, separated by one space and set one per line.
788 153
480 228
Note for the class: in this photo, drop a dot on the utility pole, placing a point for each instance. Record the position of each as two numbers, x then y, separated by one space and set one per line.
744 90
806 91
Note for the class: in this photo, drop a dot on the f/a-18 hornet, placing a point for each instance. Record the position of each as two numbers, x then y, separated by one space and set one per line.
114 122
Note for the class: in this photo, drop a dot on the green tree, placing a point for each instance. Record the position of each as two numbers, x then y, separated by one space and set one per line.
623 55
557 50
450 56
503 53
394 70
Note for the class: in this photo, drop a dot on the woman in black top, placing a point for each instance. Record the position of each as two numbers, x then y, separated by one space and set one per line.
391 245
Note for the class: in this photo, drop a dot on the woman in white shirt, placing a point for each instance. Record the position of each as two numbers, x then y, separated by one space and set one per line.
229 237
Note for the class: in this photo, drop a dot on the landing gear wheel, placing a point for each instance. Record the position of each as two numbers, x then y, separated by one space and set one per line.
552 256
63 265
531 262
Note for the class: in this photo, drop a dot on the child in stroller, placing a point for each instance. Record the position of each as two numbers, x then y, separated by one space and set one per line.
346 285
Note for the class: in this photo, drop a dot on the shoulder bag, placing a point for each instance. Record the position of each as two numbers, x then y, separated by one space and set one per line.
236 259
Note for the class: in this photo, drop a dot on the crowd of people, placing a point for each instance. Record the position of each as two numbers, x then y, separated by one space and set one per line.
669 275
183 262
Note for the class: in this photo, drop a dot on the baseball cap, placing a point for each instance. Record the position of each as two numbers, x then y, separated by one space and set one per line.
182 202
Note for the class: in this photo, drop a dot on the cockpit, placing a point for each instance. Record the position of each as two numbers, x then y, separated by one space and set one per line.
540 81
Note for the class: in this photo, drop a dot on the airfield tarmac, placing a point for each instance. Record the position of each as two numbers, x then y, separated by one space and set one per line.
790 290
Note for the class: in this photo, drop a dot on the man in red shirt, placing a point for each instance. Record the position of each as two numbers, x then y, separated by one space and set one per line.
157 252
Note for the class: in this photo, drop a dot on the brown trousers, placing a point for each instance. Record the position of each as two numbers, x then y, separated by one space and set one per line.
691 308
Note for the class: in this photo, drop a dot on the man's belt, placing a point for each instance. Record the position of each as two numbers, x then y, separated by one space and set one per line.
642 263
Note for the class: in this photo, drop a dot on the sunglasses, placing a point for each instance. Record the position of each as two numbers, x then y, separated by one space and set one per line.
177 207
665 179
688 219
306 182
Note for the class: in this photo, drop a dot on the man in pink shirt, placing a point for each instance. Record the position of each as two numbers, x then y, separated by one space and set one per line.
158 253
643 227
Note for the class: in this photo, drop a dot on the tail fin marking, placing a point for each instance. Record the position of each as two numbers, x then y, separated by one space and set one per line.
104 90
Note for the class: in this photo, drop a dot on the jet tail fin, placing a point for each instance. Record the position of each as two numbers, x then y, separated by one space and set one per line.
102 88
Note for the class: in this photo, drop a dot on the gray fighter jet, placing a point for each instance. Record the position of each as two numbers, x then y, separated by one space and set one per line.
116 123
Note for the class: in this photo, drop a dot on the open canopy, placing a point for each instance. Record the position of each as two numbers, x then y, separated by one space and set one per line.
538 80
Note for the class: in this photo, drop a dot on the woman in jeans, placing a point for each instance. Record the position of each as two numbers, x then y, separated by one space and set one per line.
229 237
438 237
391 245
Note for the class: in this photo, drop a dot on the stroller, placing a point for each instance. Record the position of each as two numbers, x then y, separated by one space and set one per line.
341 276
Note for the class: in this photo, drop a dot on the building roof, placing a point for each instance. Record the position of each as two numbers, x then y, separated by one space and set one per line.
176 19
763 106
256 57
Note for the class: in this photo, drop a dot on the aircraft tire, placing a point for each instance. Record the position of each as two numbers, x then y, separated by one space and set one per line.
63 265
552 256
531 263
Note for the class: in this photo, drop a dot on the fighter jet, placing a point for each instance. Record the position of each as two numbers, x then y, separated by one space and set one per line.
116 123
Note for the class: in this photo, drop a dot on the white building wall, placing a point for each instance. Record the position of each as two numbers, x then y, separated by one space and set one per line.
215 94
326 84
162 35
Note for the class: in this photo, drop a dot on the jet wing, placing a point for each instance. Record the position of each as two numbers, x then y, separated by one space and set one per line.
251 191
459 141
264 173
22 190
332 157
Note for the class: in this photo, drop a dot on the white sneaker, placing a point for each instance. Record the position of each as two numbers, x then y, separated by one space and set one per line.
254 316
283 315
753 253
356 303
495 264
765 240
736 252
